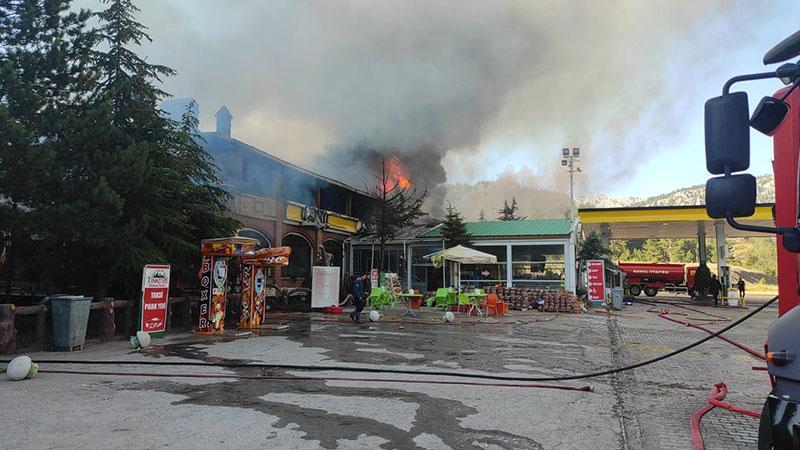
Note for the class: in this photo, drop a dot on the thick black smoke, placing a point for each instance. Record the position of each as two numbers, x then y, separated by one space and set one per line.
315 82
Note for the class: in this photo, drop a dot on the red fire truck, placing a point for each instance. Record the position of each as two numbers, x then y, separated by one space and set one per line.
652 277
732 194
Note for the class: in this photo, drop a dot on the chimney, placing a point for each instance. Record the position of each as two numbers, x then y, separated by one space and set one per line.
224 118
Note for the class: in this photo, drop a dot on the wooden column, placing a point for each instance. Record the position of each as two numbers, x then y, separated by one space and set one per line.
108 327
8 334
41 327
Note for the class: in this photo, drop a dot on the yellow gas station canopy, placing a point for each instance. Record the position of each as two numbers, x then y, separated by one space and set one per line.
654 222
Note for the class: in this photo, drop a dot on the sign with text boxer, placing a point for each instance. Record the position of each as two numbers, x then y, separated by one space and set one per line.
205 293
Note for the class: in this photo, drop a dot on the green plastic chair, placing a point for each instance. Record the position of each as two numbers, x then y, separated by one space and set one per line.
463 299
378 298
440 299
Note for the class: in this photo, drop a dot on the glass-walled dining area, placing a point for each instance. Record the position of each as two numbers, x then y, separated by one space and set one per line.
524 264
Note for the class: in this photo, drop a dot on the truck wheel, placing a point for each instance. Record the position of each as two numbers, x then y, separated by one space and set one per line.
635 290
650 291
765 429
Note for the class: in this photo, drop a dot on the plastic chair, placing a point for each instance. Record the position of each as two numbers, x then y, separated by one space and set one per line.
463 299
379 297
491 305
440 299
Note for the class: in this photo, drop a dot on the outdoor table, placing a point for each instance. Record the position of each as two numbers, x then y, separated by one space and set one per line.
408 299
475 303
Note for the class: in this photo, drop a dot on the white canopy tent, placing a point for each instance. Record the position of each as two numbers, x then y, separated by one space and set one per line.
460 255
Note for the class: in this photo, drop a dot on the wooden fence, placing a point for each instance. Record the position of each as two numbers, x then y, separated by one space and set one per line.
113 319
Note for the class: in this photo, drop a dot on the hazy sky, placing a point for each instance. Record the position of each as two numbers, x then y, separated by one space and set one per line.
481 86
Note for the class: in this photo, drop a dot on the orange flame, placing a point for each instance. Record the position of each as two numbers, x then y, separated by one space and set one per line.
397 175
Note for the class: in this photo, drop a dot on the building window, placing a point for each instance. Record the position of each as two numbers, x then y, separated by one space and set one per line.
300 258
334 248
537 265
362 260
481 275
425 277
263 240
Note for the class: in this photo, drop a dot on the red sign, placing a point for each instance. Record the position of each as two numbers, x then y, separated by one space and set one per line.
596 280
155 294
373 275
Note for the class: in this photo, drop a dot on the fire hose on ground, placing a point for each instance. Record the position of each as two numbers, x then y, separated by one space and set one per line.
719 390
449 374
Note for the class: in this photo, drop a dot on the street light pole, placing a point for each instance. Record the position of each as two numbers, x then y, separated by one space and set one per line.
568 160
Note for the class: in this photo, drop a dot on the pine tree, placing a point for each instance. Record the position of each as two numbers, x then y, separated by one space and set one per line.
117 183
152 182
505 212
45 79
454 231
482 216
592 248
510 212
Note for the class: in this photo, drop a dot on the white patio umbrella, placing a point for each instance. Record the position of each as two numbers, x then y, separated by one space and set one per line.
460 255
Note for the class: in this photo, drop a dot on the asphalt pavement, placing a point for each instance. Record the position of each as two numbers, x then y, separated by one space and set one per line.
649 407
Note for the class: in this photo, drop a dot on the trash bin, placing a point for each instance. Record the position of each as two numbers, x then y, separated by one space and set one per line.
617 294
70 317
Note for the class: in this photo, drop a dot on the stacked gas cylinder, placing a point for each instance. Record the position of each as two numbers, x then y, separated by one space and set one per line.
549 300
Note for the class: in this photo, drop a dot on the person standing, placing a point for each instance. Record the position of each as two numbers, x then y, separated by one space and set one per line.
715 287
740 285
702 281
359 298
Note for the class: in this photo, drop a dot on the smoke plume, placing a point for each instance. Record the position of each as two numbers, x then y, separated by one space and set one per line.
459 90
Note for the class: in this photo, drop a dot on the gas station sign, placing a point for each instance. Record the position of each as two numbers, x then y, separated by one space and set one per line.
596 281
155 294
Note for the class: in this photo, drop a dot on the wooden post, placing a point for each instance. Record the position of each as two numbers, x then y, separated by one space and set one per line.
107 326
126 316
8 334
170 312
41 327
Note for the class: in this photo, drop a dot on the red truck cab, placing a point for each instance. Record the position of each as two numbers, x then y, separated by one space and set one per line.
732 195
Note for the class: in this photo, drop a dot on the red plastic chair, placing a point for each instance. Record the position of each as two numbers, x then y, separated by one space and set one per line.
491 305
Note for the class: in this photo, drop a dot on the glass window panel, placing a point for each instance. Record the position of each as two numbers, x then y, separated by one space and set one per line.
497 250
538 284
417 254
483 272
538 271
525 253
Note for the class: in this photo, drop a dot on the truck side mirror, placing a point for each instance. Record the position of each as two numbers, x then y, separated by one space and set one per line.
733 194
727 122
769 115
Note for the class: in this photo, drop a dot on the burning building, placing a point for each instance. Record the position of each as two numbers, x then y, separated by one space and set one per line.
281 204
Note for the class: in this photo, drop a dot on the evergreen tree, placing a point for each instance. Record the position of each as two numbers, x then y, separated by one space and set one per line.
592 248
505 211
151 180
127 186
510 212
45 79
454 231
482 216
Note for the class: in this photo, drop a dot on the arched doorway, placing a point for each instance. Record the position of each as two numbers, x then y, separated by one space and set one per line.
263 240
334 248
300 260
